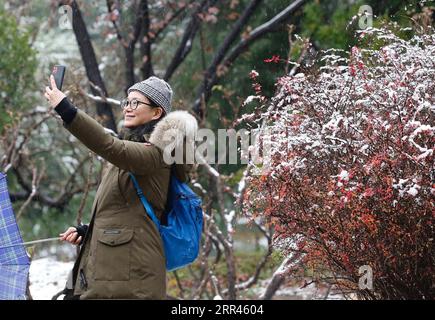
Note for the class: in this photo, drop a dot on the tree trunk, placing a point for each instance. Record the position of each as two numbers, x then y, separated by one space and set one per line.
104 110
145 47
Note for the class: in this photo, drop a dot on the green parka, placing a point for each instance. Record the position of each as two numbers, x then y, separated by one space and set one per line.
122 254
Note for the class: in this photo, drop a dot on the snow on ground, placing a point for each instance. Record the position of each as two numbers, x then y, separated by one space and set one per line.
47 277
50 267
297 291
311 292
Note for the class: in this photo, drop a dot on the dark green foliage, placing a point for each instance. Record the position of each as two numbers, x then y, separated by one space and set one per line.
17 67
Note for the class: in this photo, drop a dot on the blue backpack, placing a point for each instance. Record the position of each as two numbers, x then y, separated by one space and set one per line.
182 234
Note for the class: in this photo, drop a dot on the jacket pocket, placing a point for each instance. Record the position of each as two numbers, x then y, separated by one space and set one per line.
112 254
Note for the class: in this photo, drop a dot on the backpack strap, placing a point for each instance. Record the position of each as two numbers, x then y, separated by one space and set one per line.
145 202
164 218
75 270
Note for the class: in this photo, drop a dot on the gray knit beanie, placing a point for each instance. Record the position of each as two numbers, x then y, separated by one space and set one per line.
158 90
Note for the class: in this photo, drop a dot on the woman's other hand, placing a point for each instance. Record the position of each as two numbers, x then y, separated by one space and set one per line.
71 236
54 96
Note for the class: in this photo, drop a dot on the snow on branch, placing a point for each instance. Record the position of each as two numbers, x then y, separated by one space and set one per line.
351 162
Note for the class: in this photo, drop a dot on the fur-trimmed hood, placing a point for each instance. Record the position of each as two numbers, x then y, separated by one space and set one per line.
175 129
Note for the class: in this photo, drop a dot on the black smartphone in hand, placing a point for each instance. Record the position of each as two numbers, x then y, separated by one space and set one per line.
58 73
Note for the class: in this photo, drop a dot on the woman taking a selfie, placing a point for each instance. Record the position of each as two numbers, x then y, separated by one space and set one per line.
122 254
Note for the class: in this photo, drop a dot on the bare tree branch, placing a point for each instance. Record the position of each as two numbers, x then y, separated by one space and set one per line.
187 41
130 43
36 179
91 65
280 274
243 45
255 277
226 44
180 286
110 7
59 203
110 101
177 13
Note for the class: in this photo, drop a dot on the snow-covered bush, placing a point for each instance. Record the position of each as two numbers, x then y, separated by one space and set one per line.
351 177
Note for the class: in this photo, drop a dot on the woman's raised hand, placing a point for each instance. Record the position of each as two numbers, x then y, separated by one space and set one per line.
53 95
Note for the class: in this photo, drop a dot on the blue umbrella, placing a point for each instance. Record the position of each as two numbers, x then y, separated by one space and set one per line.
14 261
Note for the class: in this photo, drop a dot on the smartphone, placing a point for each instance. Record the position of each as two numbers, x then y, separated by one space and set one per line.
58 73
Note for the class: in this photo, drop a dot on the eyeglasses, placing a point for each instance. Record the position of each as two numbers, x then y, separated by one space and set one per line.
133 103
